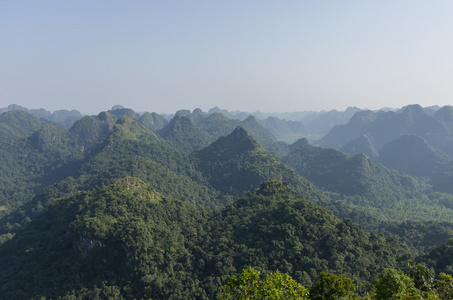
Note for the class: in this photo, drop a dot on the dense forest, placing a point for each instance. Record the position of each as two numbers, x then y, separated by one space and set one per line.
195 205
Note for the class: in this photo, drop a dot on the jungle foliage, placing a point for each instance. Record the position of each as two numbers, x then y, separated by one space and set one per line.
128 238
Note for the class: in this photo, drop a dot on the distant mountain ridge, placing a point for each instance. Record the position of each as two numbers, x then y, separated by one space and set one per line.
382 127
64 117
413 140
295 124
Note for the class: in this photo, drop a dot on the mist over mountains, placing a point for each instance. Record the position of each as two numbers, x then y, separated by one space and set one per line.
142 205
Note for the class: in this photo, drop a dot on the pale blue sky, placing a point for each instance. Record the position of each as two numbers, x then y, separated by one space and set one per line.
273 56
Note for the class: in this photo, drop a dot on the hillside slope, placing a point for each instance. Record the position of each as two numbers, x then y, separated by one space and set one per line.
128 241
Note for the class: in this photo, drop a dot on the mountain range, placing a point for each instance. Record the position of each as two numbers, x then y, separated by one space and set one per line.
139 205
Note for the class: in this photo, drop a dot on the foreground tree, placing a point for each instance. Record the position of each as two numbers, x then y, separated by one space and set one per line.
394 285
332 287
276 285
444 286
423 277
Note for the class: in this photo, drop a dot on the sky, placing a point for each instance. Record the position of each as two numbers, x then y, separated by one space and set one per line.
272 56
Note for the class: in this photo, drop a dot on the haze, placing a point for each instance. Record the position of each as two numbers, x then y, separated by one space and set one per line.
240 55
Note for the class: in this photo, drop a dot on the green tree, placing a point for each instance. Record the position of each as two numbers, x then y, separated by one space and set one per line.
331 287
394 285
423 277
249 285
444 286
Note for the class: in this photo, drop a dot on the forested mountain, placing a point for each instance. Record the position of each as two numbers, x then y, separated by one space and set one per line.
413 140
358 175
153 121
18 124
128 241
195 130
133 150
33 155
359 145
91 131
411 154
182 134
128 205
359 181
122 111
99 150
125 240
237 163
273 228
128 149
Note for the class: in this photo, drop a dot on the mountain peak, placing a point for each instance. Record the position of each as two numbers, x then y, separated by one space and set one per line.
239 133
414 109
250 119
153 121
138 188
182 134
241 140
183 112
106 116
237 142
128 128
445 114
119 112
361 144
